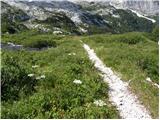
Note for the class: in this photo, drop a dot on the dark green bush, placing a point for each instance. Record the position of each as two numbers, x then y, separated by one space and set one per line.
15 79
40 43
150 65
155 34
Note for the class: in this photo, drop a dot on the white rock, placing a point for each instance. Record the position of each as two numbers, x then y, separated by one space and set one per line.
57 32
82 30
115 16
75 18
148 79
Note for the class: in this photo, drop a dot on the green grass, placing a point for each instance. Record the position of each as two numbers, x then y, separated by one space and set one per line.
55 96
32 39
133 57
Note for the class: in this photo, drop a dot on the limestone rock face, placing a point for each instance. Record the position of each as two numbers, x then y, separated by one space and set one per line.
146 7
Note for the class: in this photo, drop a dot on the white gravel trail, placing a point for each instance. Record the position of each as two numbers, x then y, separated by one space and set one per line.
125 101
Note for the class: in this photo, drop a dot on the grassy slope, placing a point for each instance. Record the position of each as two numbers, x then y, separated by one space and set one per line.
131 55
134 58
56 96
127 22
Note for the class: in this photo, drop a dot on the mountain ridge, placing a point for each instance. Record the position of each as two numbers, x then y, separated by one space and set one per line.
85 17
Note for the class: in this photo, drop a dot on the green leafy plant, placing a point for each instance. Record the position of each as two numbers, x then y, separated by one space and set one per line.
15 79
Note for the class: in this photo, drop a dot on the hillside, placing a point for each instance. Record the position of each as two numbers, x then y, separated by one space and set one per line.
12 19
84 17
65 62
73 59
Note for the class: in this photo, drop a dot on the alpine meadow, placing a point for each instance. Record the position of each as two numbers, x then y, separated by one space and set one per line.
79 59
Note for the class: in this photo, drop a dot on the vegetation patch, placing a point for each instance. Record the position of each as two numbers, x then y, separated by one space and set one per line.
32 39
55 94
40 43
16 79
133 57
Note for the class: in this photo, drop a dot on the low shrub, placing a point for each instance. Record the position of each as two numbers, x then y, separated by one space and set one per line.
40 43
57 95
15 79
155 34
150 65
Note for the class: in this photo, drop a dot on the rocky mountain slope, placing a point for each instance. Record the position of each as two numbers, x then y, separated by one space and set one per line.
66 17
145 7
12 18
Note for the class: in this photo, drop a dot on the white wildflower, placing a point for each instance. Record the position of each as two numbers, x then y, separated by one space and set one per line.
38 78
35 66
99 103
43 76
156 85
149 80
30 75
77 81
72 54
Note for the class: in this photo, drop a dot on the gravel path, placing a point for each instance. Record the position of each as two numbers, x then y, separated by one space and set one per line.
125 101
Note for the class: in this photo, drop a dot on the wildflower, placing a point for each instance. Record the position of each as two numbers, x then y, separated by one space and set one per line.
99 103
35 66
72 54
40 77
43 76
30 75
77 81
